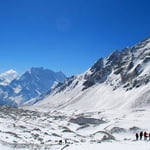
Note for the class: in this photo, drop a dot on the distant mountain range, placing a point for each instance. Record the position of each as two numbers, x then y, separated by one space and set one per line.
121 80
16 90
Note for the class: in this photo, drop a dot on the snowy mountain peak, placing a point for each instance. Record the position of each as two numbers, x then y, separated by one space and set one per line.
113 58
31 84
8 76
110 83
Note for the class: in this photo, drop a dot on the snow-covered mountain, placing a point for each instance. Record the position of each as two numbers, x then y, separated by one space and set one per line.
121 80
29 85
8 76
82 112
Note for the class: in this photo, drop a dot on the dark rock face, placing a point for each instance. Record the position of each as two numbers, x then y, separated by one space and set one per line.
134 129
61 87
106 136
128 63
83 121
101 71
117 130
99 76
98 65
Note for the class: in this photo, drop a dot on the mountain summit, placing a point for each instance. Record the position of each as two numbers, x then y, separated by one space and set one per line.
120 80
29 85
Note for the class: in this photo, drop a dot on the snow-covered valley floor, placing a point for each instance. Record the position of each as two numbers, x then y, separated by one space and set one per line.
57 130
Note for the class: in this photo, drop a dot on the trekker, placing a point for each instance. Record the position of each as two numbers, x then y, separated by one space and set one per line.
141 135
65 141
137 136
145 135
60 142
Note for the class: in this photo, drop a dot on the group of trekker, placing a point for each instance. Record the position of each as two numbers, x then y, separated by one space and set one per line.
141 135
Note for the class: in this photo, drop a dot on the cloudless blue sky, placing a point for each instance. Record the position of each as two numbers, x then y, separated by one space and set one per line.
68 35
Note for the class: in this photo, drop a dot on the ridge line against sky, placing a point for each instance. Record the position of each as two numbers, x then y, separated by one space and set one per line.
68 35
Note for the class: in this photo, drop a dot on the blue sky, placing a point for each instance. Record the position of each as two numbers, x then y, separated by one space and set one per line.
68 35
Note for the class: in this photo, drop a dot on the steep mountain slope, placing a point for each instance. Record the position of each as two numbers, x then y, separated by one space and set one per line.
29 85
121 80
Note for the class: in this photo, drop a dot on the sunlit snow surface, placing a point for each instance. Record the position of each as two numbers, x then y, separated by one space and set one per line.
26 129
87 146
113 146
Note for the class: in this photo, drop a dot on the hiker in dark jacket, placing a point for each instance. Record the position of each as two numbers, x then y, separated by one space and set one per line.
141 135
137 136
145 135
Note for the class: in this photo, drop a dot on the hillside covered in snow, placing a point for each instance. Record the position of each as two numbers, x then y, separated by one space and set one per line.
119 81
